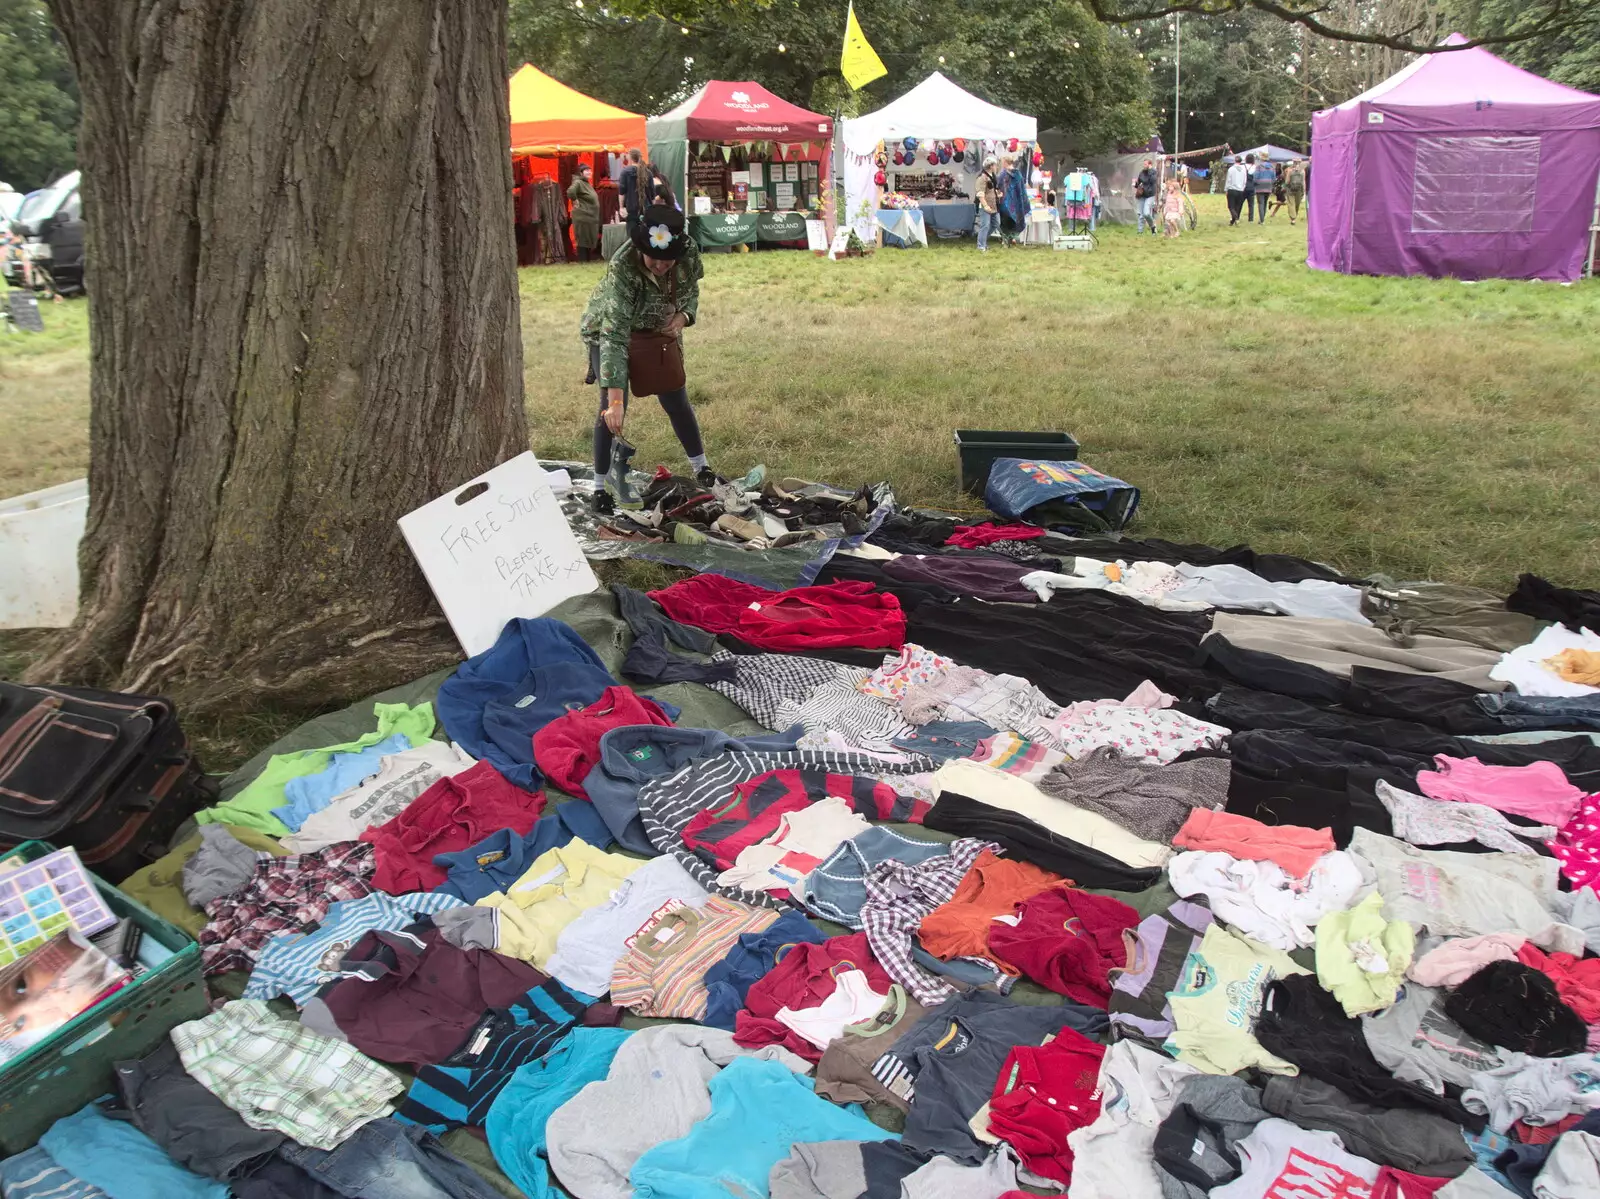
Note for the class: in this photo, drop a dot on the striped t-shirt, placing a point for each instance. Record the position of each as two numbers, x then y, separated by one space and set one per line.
664 970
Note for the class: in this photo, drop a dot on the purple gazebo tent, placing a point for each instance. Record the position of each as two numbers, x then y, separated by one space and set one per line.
1460 165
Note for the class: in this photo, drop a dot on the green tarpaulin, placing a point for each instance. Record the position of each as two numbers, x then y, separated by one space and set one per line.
781 226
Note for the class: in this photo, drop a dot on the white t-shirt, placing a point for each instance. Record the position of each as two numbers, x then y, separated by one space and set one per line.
1113 1158
853 1001
1261 900
804 840
381 797
1525 670
1238 177
1285 1161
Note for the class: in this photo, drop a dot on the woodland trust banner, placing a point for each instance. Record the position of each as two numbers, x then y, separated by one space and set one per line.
724 229
780 226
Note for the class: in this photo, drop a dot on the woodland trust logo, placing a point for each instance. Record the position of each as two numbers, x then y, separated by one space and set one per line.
741 101
731 219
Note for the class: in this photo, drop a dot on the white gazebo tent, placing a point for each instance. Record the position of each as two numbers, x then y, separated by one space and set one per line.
935 109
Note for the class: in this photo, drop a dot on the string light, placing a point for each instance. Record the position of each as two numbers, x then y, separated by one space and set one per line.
683 29
1075 45
782 49
1013 54
941 60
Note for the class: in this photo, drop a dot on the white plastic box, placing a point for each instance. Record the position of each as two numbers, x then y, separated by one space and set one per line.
39 535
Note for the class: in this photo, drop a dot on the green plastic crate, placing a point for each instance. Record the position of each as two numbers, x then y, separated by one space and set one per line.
978 448
74 1066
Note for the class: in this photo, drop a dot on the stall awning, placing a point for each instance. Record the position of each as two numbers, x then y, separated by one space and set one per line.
936 108
743 111
548 117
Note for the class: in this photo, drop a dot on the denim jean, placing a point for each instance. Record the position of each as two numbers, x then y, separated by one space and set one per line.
1147 213
1542 711
1262 199
988 222
389 1160
943 740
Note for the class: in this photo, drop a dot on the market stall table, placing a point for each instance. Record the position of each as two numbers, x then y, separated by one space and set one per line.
904 225
950 216
612 238
1042 227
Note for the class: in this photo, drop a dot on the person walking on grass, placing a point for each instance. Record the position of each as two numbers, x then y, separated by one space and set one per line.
1238 189
1172 209
988 192
1265 178
633 323
1144 193
1294 187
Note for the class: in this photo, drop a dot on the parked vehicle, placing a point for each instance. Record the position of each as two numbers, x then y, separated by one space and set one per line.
50 223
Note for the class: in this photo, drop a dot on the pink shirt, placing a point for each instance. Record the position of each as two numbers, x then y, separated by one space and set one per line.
1540 790
1291 846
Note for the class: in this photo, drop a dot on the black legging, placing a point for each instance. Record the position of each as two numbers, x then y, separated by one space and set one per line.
674 403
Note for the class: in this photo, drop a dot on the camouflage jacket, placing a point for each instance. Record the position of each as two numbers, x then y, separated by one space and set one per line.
630 299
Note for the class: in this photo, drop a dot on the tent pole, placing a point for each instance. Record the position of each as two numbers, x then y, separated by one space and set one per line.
1177 82
1594 226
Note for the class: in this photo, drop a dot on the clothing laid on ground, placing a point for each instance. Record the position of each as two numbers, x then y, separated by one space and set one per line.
495 700
1517 1007
1158 954
401 777
193 1127
120 1160
1066 940
668 805
751 959
517 1122
311 793
413 997
251 807
555 890
836 888
807 980
1113 1158
1361 958
759 1111
899 897
1296 850
1279 1158
631 757
220 866
296 965
1030 841
281 1076
282 895
656 1090
1337 646
992 888
1154 733
859 1066
1043 1095
1196 1146
1577 979
1446 610
588 948
1424 821
1261 900
1540 791
954 1055
1528 667
568 747
501 858
454 813
1303 1024
838 614
782 690
1217 1000
1577 845
1410 1140
1459 894
1018 796
663 971
1150 800
1417 1042
1533 1090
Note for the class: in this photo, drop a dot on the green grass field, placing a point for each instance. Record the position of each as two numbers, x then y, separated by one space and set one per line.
1427 429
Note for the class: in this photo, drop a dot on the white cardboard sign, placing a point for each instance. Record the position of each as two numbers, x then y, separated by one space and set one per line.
496 548
816 237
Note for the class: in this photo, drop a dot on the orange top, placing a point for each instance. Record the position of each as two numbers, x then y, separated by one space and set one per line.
993 887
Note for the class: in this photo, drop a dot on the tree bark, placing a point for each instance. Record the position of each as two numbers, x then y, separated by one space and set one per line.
304 323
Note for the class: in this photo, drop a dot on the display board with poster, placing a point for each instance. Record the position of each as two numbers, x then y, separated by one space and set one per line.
709 179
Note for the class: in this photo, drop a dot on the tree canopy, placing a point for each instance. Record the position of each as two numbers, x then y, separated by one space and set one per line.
39 129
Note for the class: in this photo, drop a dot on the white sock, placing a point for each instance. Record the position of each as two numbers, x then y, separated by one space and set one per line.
697 463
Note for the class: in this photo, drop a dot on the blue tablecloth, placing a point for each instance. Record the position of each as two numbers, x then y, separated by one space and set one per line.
950 216
902 226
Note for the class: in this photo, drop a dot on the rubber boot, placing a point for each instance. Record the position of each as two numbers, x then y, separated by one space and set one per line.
617 482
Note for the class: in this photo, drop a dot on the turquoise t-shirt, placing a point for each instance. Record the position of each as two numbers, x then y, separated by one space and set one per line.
759 1111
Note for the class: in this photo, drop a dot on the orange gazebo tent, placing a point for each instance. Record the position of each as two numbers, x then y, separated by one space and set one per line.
548 117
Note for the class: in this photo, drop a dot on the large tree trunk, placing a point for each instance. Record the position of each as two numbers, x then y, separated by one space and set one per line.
304 320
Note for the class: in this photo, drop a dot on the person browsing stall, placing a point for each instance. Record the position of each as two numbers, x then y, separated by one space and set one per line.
1144 192
633 327
988 191
585 214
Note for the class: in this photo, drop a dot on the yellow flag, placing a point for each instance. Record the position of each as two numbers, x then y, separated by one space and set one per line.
859 63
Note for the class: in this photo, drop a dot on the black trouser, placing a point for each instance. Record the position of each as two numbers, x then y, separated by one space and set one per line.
1236 201
674 403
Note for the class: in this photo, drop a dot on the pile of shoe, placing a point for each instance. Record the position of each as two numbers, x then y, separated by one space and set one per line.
752 513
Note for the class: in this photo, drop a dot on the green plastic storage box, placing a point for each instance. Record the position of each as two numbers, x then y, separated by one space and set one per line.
74 1066
978 448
